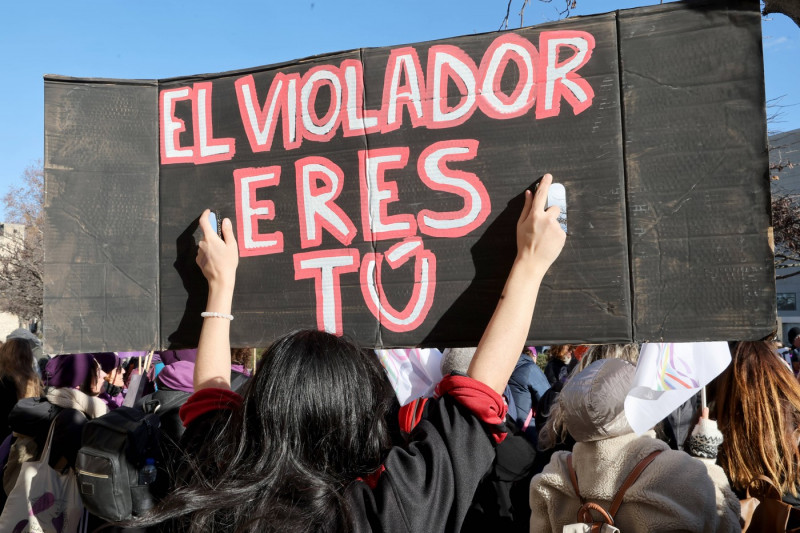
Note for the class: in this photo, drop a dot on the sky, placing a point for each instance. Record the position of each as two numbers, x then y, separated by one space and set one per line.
151 39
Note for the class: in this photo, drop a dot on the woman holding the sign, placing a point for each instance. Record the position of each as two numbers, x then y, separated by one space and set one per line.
305 448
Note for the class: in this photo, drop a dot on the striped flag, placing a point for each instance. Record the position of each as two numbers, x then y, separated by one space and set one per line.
667 375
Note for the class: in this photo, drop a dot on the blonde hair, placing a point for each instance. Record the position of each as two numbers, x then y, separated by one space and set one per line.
758 413
554 431
626 352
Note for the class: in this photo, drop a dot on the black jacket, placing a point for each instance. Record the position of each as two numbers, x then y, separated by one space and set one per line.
429 485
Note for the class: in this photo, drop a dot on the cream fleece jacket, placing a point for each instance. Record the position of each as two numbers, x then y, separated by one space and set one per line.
676 492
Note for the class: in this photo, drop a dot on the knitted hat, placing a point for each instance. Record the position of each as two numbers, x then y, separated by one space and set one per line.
22 333
593 401
456 360
108 360
68 370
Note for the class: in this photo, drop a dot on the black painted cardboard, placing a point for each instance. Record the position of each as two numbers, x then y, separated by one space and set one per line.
665 174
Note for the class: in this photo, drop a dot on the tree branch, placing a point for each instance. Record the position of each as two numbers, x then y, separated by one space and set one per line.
790 8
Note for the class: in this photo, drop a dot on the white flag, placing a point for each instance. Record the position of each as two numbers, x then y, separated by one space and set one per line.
667 375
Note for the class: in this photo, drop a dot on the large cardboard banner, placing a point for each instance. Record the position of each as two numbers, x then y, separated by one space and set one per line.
375 193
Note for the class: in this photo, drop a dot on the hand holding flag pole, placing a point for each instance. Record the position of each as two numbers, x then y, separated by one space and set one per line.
703 402
667 375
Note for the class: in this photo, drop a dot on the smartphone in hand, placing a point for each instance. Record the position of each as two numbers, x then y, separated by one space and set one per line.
557 195
213 218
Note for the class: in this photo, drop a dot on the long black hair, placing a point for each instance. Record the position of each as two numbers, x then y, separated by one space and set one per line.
312 422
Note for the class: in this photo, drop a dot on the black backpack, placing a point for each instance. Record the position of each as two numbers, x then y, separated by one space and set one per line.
33 416
114 450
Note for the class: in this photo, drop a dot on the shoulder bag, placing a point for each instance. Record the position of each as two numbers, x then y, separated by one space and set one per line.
43 500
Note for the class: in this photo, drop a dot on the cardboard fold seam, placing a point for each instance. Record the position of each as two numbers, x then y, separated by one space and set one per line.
373 242
625 198
158 340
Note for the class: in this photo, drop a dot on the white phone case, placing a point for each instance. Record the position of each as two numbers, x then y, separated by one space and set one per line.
557 195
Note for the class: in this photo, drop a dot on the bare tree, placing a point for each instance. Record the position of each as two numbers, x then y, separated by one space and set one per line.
790 8
563 8
786 228
22 254
25 204
785 206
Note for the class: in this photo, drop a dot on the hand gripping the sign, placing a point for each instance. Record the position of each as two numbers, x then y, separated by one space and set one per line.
218 259
539 242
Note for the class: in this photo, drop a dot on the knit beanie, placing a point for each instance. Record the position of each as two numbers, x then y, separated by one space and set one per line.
25 334
456 360
68 370
108 360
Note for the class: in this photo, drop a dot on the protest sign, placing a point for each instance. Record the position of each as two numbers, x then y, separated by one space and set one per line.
375 192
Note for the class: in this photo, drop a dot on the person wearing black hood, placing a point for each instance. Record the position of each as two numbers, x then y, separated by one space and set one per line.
793 337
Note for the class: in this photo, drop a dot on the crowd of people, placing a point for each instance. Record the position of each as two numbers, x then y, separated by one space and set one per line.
314 439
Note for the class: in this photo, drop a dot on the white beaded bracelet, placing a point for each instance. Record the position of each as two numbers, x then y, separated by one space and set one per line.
214 314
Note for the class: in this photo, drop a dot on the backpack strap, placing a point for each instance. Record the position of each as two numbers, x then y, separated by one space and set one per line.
769 490
585 514
632 477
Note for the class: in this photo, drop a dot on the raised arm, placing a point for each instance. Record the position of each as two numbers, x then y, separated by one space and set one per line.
218 260
539 242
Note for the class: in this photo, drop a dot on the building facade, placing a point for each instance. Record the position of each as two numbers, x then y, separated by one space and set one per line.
785 150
